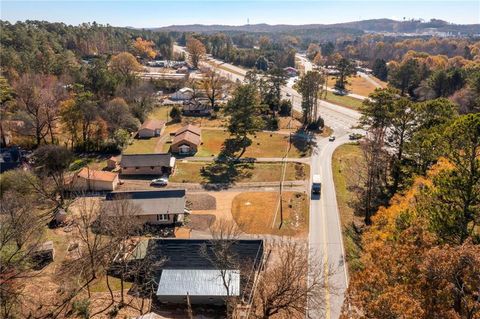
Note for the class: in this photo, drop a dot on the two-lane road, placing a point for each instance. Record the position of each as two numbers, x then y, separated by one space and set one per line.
325 236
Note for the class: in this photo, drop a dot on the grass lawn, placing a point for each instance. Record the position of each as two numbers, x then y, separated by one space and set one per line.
344 100
189 172
142 146
357 85
115 284
264 144
258 213
346 159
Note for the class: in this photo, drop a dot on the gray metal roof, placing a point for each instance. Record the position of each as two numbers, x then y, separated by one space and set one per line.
198 282
169 201
145 160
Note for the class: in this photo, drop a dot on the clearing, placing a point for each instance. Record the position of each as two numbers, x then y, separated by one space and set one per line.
190 172
259 213
264 144
357 84
344 100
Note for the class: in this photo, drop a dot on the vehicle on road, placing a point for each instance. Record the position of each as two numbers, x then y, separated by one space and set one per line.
316 184
162 181
288 94
355 136
331 138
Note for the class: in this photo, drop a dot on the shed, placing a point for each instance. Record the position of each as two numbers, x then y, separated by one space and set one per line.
92 180
151 128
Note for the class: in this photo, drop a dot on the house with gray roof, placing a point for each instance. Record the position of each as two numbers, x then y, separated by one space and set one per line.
147 164
155 207
189 267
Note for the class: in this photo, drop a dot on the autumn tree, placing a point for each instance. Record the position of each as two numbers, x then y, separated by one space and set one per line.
144 48
213 85
125 65
6 96
244 119
196 50
406 76
312 51
38 98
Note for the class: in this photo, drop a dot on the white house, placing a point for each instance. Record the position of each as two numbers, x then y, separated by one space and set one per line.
183 94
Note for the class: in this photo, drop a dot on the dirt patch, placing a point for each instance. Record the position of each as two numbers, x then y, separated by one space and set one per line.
261 213
201 202
200 221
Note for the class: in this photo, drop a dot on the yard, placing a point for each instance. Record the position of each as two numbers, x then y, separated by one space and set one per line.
190 172
346 159
264 144
344 100
357 85
142 146
261 213
162 113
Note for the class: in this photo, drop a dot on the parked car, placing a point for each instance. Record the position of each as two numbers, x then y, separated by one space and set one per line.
162 181
355 136
288 94
331 138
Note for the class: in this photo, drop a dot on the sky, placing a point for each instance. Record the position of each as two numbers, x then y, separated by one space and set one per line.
144 14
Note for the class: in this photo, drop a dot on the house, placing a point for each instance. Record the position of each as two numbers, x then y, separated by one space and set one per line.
188 267
291 72
156 207
93 180
197 107
186 140
11 158
147 164
183 94
151 128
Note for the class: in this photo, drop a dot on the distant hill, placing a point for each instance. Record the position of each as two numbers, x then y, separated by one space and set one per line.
375 25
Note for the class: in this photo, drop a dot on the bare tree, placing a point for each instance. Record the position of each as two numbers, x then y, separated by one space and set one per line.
20 233
121 222
196 50
220 253
290 284
213 84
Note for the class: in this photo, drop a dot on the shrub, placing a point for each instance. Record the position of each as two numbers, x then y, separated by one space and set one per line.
176 114
285 108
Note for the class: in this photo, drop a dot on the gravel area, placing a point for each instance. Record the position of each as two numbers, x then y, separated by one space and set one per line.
200 221
201 202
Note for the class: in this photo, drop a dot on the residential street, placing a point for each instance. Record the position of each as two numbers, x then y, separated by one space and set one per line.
325 235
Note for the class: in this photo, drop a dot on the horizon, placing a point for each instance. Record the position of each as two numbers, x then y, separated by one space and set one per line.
148 14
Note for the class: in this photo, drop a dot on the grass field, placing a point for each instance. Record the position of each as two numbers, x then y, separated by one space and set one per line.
264 144
344 100
259 213
190 172
346 158
357 85
142 146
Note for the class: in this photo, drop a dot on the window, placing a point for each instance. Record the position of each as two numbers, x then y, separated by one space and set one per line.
162 217
137 167
152 167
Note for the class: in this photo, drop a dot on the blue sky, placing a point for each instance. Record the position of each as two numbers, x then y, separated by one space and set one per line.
163 13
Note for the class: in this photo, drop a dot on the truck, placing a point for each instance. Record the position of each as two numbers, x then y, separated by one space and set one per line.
316 184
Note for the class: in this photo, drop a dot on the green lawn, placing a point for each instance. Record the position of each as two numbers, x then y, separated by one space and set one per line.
115 284
142 146
190 172
264 144
346 159
344 100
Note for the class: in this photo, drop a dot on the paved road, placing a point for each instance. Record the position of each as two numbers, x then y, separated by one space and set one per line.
325 235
